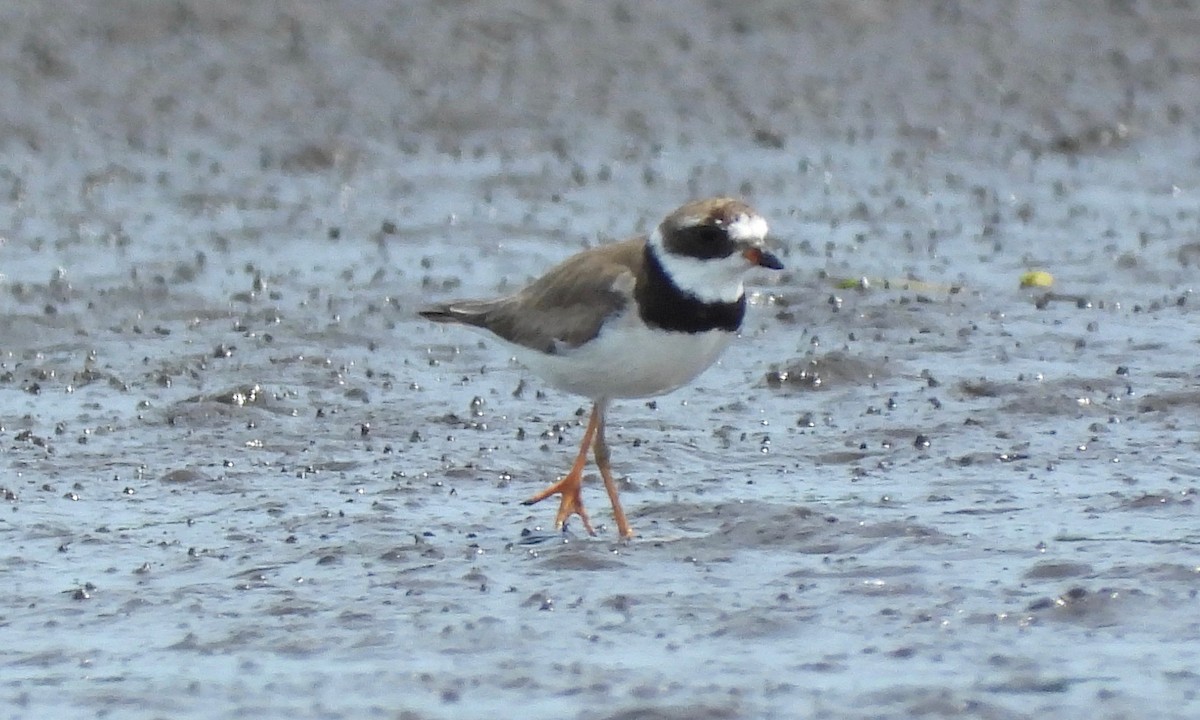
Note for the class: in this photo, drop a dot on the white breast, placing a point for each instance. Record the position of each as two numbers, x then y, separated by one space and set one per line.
628 360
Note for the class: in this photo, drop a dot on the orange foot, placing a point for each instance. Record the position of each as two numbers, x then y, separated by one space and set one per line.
571 486
571 503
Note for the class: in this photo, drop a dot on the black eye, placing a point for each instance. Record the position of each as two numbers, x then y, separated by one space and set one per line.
702 241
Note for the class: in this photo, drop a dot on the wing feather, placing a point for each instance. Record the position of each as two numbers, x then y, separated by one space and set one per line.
564 308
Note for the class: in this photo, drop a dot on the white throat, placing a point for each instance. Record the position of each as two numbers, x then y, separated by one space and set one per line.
716 280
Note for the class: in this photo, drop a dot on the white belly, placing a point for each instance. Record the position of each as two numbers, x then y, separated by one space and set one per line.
628 360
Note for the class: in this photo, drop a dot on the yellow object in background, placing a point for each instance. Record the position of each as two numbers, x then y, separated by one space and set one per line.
1037 278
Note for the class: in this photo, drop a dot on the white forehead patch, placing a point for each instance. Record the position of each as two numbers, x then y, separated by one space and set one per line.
747 228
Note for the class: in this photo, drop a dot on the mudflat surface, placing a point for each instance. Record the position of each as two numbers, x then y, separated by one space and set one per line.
242 479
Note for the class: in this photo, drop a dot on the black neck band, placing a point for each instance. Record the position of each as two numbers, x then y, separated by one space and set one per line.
663 305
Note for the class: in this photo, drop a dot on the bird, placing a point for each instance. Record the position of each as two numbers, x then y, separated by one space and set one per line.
631 319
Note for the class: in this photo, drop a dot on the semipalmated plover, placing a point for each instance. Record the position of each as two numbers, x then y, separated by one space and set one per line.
633 319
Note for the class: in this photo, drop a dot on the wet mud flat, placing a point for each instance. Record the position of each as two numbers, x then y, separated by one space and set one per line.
242 478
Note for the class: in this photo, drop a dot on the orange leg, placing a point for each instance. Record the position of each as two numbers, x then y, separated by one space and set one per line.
571 485
600 449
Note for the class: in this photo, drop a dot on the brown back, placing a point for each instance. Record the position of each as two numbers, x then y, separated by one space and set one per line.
562 309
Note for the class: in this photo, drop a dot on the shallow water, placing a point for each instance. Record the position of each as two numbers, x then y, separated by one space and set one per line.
242 478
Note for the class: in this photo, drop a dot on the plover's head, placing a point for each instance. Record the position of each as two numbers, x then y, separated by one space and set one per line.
707 245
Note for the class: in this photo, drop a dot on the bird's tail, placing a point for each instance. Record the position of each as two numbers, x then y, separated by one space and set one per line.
466 312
